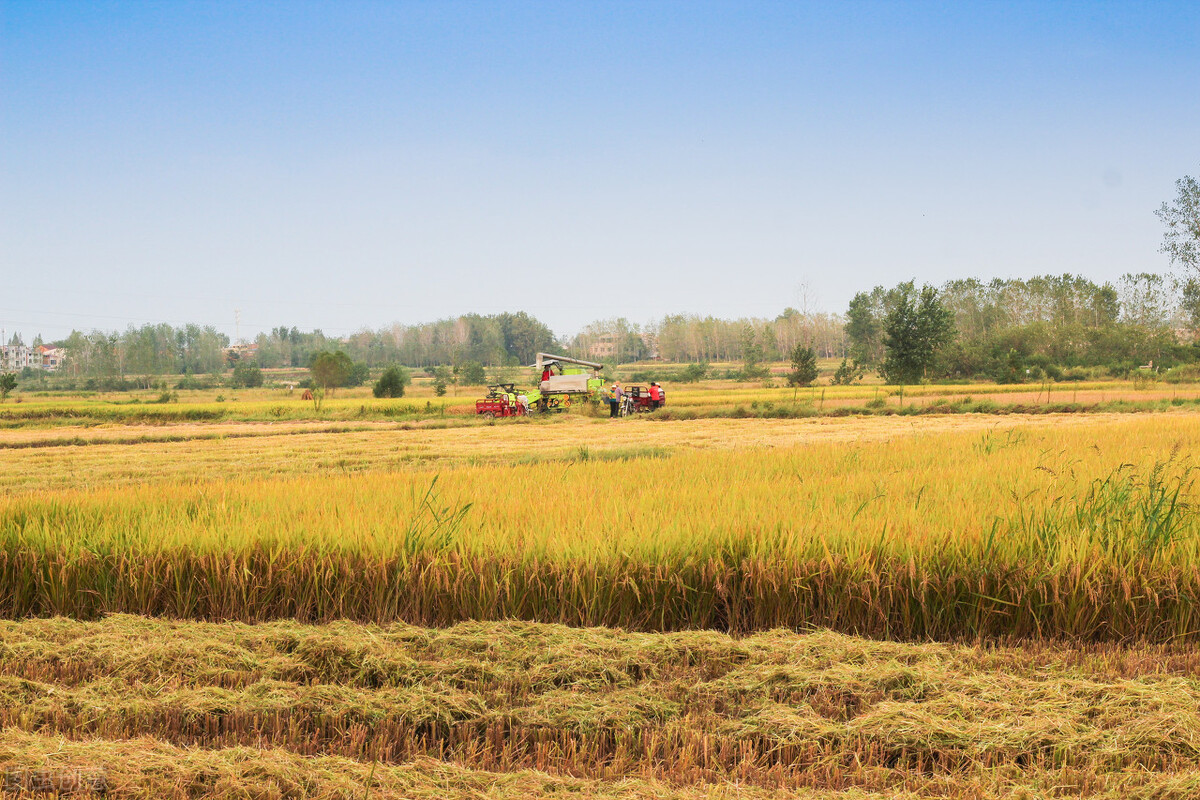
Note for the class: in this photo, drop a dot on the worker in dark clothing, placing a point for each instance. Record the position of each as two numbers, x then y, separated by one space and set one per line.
615 401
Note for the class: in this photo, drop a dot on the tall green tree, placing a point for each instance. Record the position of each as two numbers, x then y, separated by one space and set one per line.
864 327
442 376
472 373
916 327
524 337
246 376
330 370
1181 240
752 355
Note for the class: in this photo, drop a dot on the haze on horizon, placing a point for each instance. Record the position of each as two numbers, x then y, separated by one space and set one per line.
340 166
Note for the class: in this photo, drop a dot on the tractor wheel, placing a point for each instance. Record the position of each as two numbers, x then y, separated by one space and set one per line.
489 415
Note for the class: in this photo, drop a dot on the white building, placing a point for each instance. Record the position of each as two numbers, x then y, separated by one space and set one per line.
16 357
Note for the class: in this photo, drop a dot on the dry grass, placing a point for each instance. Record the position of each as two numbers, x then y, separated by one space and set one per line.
180 709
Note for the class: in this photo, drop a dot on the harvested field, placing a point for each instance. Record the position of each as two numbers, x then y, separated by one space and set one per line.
86 458
185 709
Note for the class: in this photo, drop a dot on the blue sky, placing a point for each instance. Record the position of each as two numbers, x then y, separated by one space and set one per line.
351 164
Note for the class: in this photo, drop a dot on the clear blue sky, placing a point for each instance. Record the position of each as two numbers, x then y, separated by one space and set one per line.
352 164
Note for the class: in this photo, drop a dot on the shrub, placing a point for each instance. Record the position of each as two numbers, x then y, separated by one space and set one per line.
246 376
804 366
392 382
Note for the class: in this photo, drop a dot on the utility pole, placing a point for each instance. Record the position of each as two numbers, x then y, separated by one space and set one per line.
237 326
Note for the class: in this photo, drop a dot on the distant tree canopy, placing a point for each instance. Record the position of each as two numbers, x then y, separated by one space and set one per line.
1003 329
246 376
686 338
1010 329
494 340
144 352
331 369
1181 240
916 327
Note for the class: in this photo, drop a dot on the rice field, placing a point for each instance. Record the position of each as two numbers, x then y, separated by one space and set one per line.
959 605
955 528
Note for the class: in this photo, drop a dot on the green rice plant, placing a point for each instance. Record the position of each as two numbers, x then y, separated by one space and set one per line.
435 525
1126 514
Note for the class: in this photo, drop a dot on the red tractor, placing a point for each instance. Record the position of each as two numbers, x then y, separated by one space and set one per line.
640 399
501 401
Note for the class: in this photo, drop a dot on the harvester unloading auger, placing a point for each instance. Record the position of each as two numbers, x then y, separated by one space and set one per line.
562 380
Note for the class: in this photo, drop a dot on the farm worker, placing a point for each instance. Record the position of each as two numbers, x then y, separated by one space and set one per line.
615 403
546 373
655 395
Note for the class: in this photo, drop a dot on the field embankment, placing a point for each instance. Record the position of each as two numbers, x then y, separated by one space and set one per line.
183 709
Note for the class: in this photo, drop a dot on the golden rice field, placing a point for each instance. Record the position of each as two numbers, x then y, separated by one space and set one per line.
960 605
945 527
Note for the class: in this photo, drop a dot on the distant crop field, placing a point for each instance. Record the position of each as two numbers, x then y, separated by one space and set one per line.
710 398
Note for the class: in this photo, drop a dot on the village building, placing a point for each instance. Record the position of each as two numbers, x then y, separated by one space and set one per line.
51 357
16 357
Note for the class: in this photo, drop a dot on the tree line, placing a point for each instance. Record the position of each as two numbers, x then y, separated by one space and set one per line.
1002 329
1008 330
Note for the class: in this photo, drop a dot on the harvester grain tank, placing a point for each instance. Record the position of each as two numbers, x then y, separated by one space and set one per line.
564 378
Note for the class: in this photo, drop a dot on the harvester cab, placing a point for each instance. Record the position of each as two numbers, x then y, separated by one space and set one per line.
501 389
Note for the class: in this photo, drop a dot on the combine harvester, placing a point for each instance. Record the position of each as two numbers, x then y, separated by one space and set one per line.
563 380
